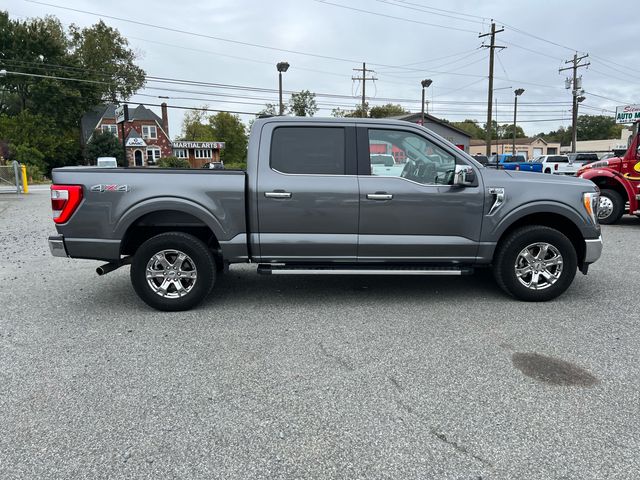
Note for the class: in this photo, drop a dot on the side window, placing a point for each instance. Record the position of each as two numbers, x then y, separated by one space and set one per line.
308 150
415 157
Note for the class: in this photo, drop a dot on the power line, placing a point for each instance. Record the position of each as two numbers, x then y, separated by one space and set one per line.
423 9
448 27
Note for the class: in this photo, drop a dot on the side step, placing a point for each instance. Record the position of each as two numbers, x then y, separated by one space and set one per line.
282 269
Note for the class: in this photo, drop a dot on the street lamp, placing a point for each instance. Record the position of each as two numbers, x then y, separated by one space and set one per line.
425 84
517 92
282 67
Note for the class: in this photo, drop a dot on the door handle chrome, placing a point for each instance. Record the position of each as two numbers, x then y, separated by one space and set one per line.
277 194
379 196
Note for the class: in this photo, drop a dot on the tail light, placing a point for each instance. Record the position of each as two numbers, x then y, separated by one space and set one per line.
64 201
517 167
555 166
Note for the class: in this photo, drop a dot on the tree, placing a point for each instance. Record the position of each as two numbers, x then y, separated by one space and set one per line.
388 110
506 131
194 127
269 109
471 127
104 144
357 111
303 104
338 112
228 128
597 127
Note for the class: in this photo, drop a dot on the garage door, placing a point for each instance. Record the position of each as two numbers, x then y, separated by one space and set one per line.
537 152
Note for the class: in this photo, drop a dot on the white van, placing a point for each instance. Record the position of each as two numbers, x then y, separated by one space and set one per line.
107 162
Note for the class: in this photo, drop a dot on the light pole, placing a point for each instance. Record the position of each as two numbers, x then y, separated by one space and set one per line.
425 84
517 92
282 67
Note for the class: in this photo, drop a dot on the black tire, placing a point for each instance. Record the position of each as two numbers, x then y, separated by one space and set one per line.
508 253
199 260
548 170
617 209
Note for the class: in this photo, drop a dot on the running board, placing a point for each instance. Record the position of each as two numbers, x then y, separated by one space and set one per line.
280 269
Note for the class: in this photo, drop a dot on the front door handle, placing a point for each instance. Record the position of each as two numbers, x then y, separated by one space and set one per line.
379 196
278 194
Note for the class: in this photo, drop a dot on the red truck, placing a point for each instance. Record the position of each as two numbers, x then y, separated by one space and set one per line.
619 181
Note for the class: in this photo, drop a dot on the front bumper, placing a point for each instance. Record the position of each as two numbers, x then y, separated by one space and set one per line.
593 250
56 246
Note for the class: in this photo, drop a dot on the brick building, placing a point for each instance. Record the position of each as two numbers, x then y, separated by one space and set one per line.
146 134
198 153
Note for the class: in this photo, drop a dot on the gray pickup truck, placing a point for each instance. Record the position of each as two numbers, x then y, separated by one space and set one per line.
309 204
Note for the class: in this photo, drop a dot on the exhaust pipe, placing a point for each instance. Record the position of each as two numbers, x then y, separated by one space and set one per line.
111 266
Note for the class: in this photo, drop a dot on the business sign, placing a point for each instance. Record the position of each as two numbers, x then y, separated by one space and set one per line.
628 114
122 113
186 144
136 142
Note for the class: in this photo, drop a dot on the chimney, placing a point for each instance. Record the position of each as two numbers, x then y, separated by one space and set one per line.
165 118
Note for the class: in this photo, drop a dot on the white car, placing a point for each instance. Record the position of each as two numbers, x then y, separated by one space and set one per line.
557 164
383 164
107 162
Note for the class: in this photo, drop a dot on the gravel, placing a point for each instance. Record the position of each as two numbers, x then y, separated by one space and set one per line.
313 377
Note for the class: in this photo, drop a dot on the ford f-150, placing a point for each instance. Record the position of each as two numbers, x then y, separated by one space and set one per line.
310 202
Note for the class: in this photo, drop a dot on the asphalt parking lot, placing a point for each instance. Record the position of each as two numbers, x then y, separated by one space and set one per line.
314 377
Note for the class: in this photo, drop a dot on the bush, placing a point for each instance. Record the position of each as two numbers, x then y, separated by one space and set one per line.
173 162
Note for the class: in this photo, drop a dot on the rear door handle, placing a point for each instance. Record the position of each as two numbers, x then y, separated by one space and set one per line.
379 196
277 194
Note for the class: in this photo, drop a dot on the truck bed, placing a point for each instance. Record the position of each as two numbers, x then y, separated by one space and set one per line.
115 199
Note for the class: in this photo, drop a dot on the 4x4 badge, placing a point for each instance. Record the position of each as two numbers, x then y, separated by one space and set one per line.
110 188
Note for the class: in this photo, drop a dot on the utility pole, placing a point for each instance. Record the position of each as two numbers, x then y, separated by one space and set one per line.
492 49
576 92
364 79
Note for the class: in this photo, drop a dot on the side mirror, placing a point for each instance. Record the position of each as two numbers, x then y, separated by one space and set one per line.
464 176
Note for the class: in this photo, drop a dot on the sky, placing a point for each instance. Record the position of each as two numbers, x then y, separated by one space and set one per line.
232 43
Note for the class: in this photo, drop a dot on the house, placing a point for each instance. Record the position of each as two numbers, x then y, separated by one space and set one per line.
529 147
459 138
146 134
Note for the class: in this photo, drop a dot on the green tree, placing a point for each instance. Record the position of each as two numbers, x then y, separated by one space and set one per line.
388 110
104 144
194 127
357 111
269 109
338 112
303 104
471 127
228 128
597 127
506 131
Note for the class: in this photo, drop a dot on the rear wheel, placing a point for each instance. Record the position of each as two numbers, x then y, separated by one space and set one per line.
548 170
535 263
610 207
173 271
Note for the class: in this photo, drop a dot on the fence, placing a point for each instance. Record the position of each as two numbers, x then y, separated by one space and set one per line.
11 180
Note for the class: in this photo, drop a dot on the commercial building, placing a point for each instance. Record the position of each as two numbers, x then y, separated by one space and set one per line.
529 147
198 153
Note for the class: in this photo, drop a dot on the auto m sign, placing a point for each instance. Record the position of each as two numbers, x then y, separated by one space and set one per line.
136 142
628 114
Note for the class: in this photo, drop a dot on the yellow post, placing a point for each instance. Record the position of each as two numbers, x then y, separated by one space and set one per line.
25 184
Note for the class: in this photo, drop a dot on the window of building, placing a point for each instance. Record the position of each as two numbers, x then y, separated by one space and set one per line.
308 150
149 131
416 158
180 152
153 154
203 153
112 129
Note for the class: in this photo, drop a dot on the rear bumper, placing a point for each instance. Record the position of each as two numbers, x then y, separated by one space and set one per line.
593 250
57 247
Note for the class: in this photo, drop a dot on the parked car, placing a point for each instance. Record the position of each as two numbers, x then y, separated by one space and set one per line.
107 162
607 156
483 159
582 158
511 162
385 164
557 164
308 204
214 165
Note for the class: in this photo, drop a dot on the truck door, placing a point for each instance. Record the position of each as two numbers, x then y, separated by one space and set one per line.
415 214
307 193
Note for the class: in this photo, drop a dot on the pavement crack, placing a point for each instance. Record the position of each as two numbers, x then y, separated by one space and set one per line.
336 358
460 448
394 381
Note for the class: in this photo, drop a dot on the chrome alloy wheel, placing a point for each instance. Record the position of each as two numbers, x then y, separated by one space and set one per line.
538 266
605 207
171 273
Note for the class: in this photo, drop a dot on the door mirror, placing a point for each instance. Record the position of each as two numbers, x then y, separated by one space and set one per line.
464 176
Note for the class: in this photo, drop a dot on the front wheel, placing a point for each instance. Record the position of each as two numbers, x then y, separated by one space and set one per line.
173 271
610 207
535 263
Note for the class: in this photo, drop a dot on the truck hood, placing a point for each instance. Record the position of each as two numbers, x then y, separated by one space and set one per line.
533 178
614 163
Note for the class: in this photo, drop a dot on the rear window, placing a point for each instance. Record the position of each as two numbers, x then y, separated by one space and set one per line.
558 159
308 150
